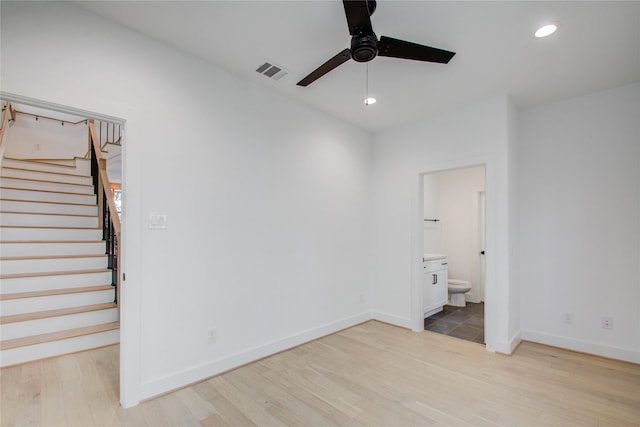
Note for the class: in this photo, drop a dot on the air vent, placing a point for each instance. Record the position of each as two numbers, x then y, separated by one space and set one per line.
272 71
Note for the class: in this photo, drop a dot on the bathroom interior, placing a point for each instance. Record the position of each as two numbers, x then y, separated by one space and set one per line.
454 258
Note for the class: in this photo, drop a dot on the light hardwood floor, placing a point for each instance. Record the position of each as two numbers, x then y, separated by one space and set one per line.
372 374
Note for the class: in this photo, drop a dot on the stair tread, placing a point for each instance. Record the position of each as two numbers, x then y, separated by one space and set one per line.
53 273
48 202
58 335
39 171
44 180
51 162
6 242
49 213
23 317
62 291
17 258
48 226
45 191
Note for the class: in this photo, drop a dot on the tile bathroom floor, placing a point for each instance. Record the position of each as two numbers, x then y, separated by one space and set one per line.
466 323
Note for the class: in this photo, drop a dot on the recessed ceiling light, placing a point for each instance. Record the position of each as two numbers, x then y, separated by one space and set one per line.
546 30
370 101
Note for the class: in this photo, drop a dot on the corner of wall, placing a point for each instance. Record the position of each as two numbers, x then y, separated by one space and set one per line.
514 214
400 321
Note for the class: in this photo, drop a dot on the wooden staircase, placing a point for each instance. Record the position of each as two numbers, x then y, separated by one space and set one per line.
56 295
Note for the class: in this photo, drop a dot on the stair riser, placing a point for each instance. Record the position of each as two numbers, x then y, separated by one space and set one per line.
45 176
43 196
51 249
82 166
19 355
51 208
48 283
45 186
42 326
54 302
45 220
9 234
51 265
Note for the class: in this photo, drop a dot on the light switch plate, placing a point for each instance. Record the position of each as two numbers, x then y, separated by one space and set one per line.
157 220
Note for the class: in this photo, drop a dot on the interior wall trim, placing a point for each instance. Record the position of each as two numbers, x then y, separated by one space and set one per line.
582 346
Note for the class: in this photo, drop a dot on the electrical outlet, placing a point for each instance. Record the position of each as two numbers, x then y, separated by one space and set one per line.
606 322
212 336
567 317
362 299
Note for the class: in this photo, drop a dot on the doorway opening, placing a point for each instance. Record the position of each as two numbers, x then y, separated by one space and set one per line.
454 252
62 184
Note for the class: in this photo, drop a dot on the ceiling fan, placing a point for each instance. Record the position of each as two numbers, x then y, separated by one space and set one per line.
365 44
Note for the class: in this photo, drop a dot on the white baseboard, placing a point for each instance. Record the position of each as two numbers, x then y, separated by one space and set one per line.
403 322
508 347
625 354
430 313
471 296
198 373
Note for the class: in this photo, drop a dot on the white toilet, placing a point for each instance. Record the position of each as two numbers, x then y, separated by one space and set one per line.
457 289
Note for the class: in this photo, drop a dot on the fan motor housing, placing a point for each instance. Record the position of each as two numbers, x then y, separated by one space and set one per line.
364 46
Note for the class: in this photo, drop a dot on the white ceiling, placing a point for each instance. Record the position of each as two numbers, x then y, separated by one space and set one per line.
596 47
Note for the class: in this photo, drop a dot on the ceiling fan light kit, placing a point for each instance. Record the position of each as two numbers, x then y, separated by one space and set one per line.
365 45
546 30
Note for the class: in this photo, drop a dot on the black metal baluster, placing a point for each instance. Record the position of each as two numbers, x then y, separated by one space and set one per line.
108 231
94 169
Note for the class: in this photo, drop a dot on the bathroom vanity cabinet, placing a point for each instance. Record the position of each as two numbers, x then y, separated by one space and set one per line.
435 284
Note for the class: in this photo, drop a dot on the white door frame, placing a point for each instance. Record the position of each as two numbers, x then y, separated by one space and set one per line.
482 234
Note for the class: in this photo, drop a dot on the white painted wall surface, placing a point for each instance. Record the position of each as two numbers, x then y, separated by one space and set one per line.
513 189
580 222
45 139
471 136
431 230
267 201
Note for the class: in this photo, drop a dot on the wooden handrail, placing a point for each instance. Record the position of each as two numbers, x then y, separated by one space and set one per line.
104 178
103 181
5 120
40 116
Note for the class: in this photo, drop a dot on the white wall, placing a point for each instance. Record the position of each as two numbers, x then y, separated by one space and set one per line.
431 230
455 199
513 214
267 200
580 222
472 136
44 139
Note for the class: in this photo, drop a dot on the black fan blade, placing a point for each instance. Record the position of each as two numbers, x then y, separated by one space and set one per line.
334 62
395 48
357 15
